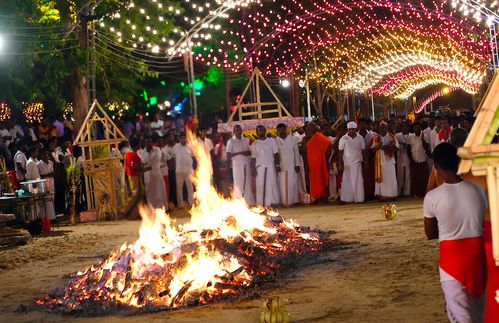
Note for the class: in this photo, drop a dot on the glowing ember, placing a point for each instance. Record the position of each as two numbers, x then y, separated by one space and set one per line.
225 248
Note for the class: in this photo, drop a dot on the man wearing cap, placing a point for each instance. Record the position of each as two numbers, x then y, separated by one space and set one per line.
238 152
351 155
385 145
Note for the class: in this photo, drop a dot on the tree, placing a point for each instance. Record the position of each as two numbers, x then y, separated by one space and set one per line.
50 61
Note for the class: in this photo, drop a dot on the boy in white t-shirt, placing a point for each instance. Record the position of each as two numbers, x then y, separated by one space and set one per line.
454 214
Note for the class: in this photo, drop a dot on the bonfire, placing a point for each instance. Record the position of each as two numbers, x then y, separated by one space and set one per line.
224 249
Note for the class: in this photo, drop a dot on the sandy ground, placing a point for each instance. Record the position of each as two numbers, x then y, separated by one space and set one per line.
388 274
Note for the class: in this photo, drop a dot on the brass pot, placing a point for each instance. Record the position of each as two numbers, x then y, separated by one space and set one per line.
389 211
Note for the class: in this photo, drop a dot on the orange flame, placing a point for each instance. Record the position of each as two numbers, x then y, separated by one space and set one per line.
177 265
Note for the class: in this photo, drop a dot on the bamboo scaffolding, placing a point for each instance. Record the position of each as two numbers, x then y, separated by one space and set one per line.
104 175
480 157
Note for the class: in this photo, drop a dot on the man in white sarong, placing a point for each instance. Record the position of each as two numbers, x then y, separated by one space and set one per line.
289 157
184 162
351 155
144 157
302 182
32 174
207 144
46 171
385 145
454 213
265 164
238 151
403 162
155 187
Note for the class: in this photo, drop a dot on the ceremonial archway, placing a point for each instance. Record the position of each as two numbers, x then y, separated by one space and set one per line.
385 48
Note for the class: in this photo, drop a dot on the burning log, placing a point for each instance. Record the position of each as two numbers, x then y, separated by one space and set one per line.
225 249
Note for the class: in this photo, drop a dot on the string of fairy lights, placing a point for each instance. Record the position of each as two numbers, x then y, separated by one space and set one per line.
5 112
33 112
355 46
408 79
187 20
385 47
480 10
432 96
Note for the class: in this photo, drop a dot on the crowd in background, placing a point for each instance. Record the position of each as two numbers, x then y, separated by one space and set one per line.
348 162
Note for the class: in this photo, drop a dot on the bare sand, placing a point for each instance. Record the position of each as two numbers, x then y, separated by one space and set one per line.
388 273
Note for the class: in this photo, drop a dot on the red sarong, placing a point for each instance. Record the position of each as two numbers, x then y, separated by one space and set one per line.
491 305
464 260
419 179
318 147
369 182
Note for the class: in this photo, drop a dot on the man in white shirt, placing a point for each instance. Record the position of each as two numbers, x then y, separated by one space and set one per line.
184 160
265 164
207 144
289 158
32 172
403 162
430 135
385 145
454 213
5 138
155 187
166 155
417 154
46 170
157 124
20 161
238 151
351 156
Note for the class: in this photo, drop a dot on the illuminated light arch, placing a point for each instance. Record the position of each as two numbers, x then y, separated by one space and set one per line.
390 82
397 35
432 96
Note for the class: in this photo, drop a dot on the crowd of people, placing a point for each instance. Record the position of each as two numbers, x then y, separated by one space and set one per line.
348 162
324 161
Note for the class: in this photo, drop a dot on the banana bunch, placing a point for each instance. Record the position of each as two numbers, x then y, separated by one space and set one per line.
275 311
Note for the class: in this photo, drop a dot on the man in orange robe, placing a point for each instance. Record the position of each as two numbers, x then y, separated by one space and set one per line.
318 148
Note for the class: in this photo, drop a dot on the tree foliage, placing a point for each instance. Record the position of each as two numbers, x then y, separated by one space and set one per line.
46 41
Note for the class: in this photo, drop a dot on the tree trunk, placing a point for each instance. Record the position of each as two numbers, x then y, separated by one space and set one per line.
227 93
295 99
319 98
79 97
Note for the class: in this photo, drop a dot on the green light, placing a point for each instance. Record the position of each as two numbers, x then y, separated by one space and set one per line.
182 84
198 93
163 83
146 97
153 100
214 75
198 85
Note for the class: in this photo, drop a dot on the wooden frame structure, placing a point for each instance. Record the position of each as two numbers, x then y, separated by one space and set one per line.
481 157
273 112
104 174
256 78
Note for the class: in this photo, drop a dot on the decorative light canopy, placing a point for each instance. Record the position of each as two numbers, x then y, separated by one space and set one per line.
432 96
117 109
386 47
5 112
33 112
